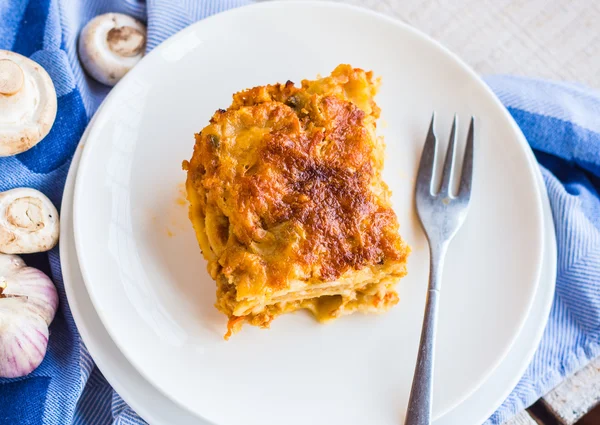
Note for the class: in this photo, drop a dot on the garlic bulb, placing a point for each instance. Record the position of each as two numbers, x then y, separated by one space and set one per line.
110 45
28 222
27 103
28 302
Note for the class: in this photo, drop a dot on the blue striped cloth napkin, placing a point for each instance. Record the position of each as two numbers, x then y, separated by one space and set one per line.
559 120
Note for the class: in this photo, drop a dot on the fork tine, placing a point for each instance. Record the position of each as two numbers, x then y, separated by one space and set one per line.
427 164
466 178
449 162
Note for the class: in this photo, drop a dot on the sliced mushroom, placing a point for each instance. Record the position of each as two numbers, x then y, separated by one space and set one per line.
110 45
27 103
28 222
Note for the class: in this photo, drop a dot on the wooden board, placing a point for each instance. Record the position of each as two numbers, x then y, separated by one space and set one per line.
576 396
522 418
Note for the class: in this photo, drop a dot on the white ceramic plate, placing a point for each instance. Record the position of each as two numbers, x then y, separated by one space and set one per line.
149 284
157 409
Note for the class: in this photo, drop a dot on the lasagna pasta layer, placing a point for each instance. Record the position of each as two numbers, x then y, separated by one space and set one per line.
288 204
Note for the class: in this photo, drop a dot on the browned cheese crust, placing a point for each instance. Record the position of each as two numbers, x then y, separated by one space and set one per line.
287 200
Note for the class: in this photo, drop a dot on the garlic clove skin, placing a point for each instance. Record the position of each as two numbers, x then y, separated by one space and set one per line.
29 222
9 264
19 281
27 103
110 45
28 303
23 338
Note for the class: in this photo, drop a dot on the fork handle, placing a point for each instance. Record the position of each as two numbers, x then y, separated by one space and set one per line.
421 393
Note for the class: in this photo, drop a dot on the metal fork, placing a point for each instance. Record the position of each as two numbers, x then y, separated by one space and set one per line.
441 214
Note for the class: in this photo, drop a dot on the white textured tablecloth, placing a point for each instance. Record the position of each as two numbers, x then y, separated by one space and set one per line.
537 38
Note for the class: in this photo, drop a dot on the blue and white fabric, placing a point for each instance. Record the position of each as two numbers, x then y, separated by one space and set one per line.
560 121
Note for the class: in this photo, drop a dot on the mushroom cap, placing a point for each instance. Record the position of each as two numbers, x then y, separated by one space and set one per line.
27 103
29 222
110 45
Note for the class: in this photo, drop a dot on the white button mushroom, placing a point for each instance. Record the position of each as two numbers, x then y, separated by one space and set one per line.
28 222
28 303
110 45
27 103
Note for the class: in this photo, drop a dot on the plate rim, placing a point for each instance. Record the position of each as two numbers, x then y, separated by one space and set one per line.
85 334
550 253
474 77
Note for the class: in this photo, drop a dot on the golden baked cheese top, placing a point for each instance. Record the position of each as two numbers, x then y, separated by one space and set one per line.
288 183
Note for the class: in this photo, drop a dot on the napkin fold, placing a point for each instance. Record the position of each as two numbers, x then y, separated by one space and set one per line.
560 122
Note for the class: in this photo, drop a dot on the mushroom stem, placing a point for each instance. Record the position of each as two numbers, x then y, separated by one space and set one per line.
126 41
110 45
11 77
27 103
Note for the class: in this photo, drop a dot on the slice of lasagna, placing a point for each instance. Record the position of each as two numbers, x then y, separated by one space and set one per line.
288 203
